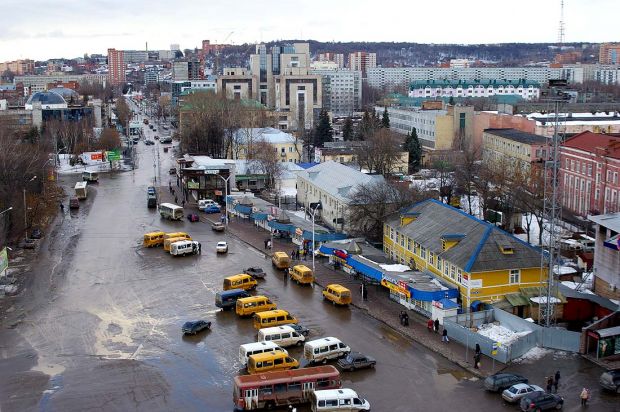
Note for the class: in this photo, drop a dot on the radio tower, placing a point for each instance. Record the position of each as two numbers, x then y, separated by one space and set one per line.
561 28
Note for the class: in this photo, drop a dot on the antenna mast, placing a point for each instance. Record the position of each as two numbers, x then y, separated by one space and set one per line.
561 28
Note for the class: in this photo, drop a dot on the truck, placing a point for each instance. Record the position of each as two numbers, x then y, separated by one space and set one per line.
81 190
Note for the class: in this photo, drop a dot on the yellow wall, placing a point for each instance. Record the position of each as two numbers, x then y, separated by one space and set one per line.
290 154
444 132
495 284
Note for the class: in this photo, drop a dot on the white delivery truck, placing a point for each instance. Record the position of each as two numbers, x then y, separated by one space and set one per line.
171 211
81 190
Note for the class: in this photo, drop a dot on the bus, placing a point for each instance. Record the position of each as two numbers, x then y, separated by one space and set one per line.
171 211
281 388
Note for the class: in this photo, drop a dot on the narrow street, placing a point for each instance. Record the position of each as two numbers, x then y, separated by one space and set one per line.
98 326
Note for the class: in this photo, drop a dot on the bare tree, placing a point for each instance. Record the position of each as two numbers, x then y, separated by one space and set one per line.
264 157
370 204
123 112
380 152
466 172
109 139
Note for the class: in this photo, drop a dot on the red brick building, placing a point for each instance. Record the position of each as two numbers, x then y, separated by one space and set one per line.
589 173
116 66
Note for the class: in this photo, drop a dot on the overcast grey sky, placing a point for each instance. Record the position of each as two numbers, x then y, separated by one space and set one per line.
42 29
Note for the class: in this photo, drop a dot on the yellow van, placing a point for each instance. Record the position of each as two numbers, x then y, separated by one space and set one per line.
338 294
254 304
272 318
280 260
177 234
302 274
153 239
171 240
241 281
271 361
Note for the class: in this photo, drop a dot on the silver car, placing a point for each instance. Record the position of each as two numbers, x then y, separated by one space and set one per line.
516 392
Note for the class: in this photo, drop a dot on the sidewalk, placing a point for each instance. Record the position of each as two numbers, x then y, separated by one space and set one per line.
378 305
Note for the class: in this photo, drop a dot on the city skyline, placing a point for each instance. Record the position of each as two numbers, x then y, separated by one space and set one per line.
40 30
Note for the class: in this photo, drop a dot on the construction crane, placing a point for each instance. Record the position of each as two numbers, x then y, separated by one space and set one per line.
217 53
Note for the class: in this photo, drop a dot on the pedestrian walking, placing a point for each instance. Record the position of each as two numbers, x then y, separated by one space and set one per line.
585 395
549 383
269 245
176 200
365 294
444 335
477 361
62 208
199 248
430 325
266 243
286 272
401 317
556 381
436 325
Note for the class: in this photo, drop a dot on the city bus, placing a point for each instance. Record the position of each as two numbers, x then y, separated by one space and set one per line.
281 388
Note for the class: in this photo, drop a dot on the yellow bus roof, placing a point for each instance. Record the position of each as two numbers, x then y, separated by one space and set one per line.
268 313
337 288
176 234
263 356
150 234
302 268
252 298
236 277
280 254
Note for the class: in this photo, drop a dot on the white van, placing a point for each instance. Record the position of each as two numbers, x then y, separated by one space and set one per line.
257 347
184 247
90 176
321 350
171 211
337 400
205 203
81 190
282 335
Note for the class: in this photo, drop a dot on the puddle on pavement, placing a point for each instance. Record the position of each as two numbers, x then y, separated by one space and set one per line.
47 368
458 374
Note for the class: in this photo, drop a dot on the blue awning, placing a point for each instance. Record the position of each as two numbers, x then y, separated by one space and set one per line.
246 210
323 237
364 269
282 227
260 216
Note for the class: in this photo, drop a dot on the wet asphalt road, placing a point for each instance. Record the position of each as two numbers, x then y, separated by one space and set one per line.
98 326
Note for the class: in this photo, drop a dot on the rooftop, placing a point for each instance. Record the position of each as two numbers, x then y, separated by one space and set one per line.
610 221
267 134
590 142
518 136
338 180
477 251
420 84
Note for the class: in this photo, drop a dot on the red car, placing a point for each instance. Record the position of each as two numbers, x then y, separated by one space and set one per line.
193 217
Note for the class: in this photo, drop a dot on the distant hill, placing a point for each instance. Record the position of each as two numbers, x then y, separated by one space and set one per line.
418 54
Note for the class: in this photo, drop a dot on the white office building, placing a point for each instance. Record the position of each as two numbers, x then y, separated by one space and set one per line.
342 91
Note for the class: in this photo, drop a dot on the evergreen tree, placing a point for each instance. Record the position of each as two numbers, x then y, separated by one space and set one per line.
364 129
412 145
385 120
451 101
347 129
323 131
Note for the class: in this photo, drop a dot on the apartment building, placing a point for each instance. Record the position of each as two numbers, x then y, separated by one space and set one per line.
342 90
482 261
527 90
518 151
289 149
362 61
116 66
607 255
337 58
38 83
186 70
18 67
589 173
436 129
609 53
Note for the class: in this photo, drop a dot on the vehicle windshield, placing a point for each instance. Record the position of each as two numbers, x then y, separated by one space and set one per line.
513 390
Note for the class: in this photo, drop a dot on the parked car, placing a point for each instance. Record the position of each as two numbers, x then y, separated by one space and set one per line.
74 203
172 171
212 209
610 380
195 326
356 360
218 227
149 142
302 330
518 391
36 233
221 247
156 137
192 217
255 272
500 381
541 401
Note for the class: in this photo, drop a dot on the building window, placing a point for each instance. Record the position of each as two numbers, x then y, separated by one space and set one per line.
515 276
459 275
439 262
409 244
431 258
453 271
422 252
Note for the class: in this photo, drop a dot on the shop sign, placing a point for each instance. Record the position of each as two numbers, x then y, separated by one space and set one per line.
96 156
395 287
193 185
211 172
341 253
474 283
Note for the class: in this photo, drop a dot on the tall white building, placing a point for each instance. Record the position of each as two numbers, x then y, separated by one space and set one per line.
342 90
362 61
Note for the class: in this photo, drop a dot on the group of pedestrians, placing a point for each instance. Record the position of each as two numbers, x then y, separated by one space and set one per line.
299 254
553 381
433 326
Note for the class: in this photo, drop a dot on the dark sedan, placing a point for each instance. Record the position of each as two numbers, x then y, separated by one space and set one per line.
541 401
302 330
501 381
356 360
195 326
255 272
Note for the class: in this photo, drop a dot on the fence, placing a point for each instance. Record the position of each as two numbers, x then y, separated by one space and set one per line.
552 338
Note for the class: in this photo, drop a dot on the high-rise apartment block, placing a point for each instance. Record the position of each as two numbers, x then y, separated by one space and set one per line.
186 70
362 61
342 90
609 53
116 66
337 58
18 67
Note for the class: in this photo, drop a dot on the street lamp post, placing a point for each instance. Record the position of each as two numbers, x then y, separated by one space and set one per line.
6 210
26 208
314 209
225 179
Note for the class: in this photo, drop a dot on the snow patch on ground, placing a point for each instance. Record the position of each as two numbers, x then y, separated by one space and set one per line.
533 355
499 333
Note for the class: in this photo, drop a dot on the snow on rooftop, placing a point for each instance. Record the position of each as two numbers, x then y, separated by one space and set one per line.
501 334
438 284
543 299
580 287
395 267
